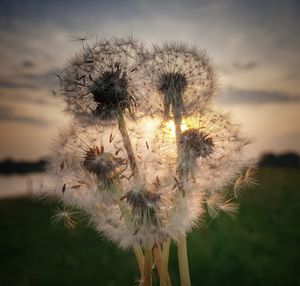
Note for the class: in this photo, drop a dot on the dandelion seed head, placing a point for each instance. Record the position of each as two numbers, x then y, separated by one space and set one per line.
144 208
186 212
110 92
104 164
211 148
181 78
196 143
103 80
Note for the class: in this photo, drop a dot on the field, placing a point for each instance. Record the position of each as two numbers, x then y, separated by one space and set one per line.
258 247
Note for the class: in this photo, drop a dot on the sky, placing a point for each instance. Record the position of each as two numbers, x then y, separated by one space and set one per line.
254 47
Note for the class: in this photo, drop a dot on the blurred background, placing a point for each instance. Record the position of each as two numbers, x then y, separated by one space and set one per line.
255 48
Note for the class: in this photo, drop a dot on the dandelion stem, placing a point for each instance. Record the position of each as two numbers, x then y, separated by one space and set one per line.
140 258
157 259
182 246
177 122
183 261
164 273
148 268
136 248
127 143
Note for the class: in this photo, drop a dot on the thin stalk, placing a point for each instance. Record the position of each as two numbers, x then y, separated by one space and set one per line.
157 259
132 161
164 274
134 167
137 249
177 122
148 268
183 262
127 143
140 259
181 246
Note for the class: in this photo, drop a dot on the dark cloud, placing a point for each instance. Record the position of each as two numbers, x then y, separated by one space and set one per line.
21 97
31 88
231 96
46 80
237 67
28 64
43 80
8 114
15 84
240 66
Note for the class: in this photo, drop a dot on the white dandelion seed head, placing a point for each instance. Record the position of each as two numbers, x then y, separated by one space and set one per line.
182 79
103 80
211 148
89 171
186 212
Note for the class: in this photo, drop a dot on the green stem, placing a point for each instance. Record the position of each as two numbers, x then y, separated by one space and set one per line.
183 262
148 268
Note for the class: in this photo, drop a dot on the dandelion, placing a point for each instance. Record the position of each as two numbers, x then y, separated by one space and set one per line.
211 148
182 78
102 80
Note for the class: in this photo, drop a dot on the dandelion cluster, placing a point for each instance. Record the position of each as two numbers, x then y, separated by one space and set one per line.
147 154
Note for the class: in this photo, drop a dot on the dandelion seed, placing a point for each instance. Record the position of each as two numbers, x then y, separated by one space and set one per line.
66 216
196 144
105 165
230 208
144 204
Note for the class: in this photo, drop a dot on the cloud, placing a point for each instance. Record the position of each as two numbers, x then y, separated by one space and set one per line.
45 80
28 64
28 97
238 96
8 114
245 66
14 84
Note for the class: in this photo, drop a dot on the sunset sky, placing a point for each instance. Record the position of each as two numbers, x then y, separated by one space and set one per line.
254 45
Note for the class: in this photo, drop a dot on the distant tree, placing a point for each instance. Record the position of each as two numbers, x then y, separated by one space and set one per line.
288 160
282 160
268 160
8 166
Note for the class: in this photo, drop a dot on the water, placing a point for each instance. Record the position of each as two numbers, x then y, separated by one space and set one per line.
21 185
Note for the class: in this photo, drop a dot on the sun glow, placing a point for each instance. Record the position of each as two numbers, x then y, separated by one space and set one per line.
171 126
170 129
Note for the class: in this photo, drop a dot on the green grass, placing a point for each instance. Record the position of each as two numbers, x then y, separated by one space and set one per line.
258 247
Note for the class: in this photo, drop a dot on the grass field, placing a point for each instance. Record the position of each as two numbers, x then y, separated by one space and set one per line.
258 247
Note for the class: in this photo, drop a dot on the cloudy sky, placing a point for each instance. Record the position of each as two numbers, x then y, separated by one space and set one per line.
254 46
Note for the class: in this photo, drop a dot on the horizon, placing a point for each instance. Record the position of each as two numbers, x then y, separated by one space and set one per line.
252 46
